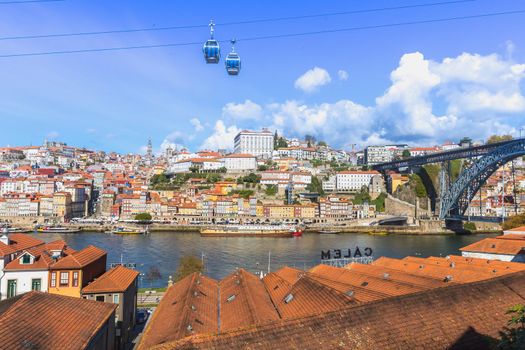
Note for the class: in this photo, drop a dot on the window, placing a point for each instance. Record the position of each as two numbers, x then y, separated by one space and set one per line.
53 279
26 259
115 298
36 284
64 279
75 279
11 288
101 298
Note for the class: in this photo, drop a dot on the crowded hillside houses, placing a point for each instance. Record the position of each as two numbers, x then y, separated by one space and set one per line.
265 176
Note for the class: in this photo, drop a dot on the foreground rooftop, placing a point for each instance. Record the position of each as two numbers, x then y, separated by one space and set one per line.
391 303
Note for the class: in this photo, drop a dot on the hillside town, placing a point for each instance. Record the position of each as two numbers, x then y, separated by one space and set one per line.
266 177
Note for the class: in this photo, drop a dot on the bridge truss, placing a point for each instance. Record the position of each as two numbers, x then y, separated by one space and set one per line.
485 160
456 199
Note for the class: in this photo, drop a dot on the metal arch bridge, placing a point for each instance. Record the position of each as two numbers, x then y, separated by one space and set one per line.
455 198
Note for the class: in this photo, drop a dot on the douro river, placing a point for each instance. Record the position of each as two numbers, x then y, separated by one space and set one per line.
223 255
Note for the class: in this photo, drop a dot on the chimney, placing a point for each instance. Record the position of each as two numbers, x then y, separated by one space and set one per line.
4 237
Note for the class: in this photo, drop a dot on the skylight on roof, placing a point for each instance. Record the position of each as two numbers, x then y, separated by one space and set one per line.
288 298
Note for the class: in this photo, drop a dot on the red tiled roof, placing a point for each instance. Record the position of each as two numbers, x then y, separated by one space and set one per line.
188 307
37 320
79 259
118 279
19 242
464 316
496 246
244 301
42 256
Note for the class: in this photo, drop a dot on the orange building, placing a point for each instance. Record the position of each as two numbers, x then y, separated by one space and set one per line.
70 274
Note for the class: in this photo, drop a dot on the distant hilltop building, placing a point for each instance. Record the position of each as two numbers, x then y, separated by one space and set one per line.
258 143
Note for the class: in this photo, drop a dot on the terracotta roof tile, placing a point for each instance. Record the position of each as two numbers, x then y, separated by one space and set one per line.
188 307
118 279
309 296
496 246
427 269
244 301
47 321
462 316
19 242
80 258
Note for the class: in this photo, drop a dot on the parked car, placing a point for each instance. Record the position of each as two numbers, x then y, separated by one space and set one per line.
142 316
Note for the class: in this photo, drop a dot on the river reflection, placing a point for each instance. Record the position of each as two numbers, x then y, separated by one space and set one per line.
223 255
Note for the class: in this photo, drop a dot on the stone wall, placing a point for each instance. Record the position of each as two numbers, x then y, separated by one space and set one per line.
397 207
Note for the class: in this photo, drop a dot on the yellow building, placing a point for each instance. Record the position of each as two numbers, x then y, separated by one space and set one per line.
188 209
398 180
62 205
70 274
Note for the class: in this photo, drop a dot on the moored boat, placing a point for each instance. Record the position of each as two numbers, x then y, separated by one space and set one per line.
127 231
57 229
329 232
248 231
297 231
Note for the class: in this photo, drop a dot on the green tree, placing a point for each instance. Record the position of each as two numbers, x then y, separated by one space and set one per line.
465 141
281 143
315 186
514 221
194 169
418 186
222 170
143 217
262 167
271 190
469 226
499 138
405 154
513 336
213 178
362 196
321 143
153 274
187 266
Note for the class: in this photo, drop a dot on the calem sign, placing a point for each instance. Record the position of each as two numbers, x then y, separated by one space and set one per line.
345 253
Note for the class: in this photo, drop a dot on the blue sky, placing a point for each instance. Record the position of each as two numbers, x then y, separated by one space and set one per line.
419 84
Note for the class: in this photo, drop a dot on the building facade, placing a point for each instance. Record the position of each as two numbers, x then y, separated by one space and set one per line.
258 143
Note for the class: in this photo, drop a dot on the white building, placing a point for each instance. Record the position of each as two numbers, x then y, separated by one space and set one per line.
353 180
238 162
11 246
201 164
258 143
381 154
509 247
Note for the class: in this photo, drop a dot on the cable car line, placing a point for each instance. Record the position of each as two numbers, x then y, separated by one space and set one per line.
262 20
26 1
348 29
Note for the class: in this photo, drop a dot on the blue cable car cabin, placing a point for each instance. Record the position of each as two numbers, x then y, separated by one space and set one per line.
212 51
233 63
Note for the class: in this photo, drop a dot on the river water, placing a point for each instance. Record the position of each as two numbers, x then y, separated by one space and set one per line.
222 255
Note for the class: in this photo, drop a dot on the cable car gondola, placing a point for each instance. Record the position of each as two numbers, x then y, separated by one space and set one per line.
211 49
233 61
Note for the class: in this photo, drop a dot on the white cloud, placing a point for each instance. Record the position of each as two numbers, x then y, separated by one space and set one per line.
197 125
342 74
313 79
222 137
52 135
427 102
242 111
